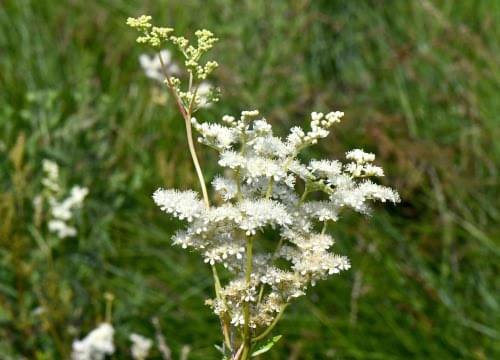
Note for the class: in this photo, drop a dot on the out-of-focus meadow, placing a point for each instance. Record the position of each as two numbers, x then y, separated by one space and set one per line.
419 82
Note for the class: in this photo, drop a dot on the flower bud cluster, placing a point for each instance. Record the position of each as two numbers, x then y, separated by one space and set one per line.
196 95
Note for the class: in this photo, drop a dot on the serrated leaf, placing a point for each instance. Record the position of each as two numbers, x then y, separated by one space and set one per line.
266 347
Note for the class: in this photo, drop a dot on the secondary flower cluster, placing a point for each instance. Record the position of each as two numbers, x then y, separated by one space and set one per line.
61 208
196 95
267 186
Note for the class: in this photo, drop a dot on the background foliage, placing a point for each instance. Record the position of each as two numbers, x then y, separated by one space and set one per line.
419 83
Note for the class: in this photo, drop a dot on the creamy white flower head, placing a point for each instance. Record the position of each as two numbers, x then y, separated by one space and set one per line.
372 170
270 146
232 160
223 253
258 166
322 210
261 213
227 188
381 193
181 204
360 156
262 127
96 345
326 168
140 346
215 135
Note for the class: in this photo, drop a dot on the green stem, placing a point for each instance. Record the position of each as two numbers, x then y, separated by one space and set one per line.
323 230
273 324
186 114
261 293
247 336
224 323
304 195
270 188
196 163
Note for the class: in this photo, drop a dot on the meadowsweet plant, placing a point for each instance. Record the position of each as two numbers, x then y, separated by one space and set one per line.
266 189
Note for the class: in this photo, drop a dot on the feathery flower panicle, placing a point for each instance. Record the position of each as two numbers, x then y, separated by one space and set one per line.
260 193
181 204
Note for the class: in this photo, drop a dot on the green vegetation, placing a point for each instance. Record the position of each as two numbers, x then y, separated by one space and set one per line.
419 83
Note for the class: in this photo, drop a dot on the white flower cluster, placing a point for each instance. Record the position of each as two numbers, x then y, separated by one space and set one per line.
96 345
140 346
259 192
61 210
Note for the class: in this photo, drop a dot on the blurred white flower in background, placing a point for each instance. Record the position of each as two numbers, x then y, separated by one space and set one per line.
51 179
152 65
140 346
62 229
61 211
152 68
96 345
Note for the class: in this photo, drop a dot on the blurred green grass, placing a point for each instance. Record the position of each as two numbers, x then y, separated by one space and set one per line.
419 82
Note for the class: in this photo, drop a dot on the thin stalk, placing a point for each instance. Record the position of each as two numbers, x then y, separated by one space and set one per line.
323 230
196 163
224 324
270 188
238 353
247 336
186 114
238 184
109 309
304 195
261 293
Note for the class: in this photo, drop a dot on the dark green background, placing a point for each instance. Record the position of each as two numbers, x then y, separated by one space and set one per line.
419 82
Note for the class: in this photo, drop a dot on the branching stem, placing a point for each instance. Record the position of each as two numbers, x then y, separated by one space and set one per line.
186 114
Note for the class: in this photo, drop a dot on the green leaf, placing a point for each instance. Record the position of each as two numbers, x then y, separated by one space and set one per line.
267 346
220 348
